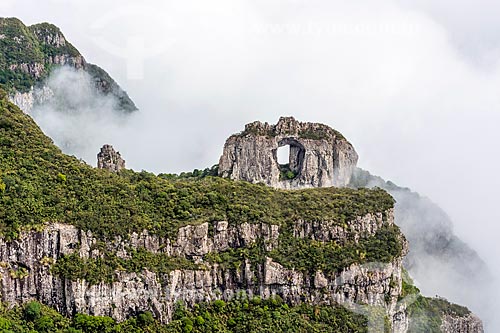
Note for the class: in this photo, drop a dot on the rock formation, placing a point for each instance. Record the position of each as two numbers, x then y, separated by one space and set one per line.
466 324
319 155
109 159
25 268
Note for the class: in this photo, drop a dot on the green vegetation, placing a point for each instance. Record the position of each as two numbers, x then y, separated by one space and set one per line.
234 258
16 79
309 255
257 315
425 316
45 33
407 286
320 132
286 173
27 56
20 46
41 185
302 254
195 174
32 169
426 313
95 270
257 130
240 315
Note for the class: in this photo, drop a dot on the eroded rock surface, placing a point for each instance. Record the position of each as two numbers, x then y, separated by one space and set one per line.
25 267
319 155
467 324
109 159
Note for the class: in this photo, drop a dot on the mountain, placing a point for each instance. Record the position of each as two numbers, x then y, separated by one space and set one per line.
30 54
438 259
108 251
198 252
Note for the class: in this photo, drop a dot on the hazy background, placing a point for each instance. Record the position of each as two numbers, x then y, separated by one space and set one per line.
415 87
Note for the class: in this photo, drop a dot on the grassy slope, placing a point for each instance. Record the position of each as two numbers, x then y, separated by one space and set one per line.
43 185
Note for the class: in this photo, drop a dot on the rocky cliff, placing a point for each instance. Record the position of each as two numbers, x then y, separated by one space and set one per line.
27 273
438 259
251 156
455 324
86 241
28 55
319 155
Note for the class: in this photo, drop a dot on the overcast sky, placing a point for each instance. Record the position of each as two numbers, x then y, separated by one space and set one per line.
415 87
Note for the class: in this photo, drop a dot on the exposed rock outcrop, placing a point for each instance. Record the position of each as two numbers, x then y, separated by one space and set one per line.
109 159
319 155
27 100
466 324
25 267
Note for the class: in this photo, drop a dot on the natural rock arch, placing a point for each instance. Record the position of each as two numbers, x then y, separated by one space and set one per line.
319 155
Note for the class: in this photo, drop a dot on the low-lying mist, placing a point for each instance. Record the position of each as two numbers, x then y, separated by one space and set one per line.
80 120
439 262
76 116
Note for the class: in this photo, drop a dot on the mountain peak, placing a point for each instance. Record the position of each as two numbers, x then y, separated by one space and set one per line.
29 54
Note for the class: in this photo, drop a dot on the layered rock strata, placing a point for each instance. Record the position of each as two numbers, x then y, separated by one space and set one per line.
26 274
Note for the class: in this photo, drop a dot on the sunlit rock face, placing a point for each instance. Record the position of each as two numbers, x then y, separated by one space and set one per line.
319 155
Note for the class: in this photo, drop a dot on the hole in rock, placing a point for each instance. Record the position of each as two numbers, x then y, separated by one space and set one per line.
284 155
290 157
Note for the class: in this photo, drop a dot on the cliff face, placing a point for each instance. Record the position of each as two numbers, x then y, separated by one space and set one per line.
319 156
25 266
28 55
467 324
436 256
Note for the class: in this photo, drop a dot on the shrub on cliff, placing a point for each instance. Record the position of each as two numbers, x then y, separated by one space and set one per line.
32 310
